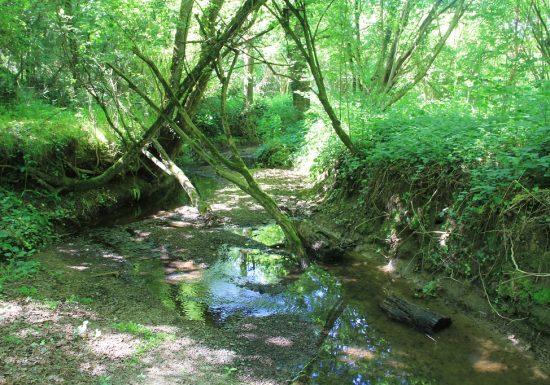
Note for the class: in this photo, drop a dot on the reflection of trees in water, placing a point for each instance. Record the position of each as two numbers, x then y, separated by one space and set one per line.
352 352
190 297
315 293
236 282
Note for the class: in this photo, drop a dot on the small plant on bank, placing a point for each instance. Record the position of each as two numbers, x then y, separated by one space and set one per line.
150 339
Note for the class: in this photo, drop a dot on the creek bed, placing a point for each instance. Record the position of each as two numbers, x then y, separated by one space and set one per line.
237 309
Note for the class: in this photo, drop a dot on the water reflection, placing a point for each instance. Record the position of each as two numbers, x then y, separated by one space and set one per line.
356 342
243 282
355 353
256 283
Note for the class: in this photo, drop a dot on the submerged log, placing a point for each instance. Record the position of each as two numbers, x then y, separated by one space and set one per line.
414 315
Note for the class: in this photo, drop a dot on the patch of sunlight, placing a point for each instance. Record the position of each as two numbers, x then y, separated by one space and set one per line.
357 353
9 311
175 278
513 339
180 224
279 341
189 362
234 203
100 136
93 368
487 366
113 256
539 374
443 237
388 268
483 363
317 139
79 267
114 345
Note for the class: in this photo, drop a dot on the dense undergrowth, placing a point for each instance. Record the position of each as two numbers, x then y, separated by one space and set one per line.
36 135
272 124
56 140
465 193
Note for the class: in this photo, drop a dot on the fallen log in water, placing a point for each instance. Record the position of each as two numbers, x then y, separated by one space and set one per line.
414 315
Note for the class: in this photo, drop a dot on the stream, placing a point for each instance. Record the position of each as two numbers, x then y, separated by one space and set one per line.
230 282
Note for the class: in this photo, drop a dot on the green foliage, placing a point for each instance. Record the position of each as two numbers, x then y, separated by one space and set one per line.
269 235
23 227
541 296
430 288
12 340
105 380
134 328
28 291
74 299
522 290
209 119
280 129
469 186
8 85
40 131
17 269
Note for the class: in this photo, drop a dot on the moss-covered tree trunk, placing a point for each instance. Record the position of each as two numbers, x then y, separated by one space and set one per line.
234 169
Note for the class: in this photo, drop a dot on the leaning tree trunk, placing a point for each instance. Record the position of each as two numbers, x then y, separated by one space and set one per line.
174 170
233 170
208 55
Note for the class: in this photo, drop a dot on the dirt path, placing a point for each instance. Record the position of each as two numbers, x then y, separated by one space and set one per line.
122 281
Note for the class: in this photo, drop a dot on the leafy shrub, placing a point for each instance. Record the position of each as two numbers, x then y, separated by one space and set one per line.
280 129
8 85
469 187
17 269
209 120
39 130
23 227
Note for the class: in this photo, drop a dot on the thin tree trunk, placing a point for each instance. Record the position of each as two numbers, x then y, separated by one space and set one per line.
180 42
299 85
309 53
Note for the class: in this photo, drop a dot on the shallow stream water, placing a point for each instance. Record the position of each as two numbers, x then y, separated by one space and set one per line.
357 343
231 288
362 345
